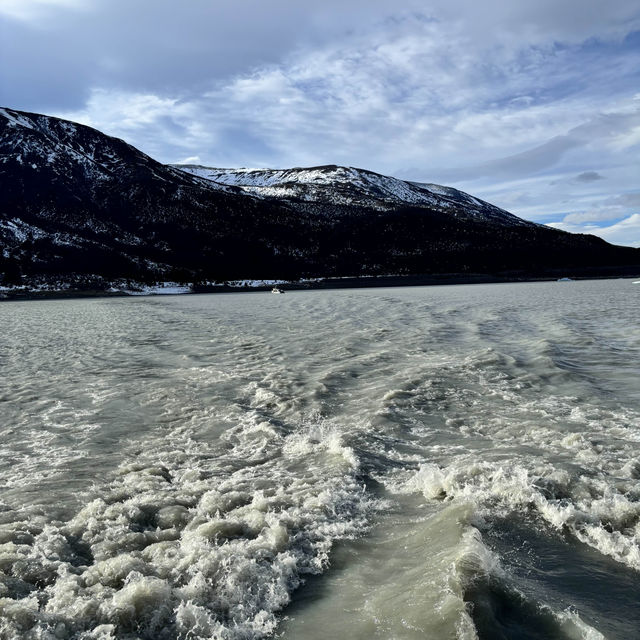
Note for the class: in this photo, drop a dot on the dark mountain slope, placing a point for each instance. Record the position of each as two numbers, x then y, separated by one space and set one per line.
75 200
331 184
80 207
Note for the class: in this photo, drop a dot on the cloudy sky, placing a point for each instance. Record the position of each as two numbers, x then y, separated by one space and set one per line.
533 105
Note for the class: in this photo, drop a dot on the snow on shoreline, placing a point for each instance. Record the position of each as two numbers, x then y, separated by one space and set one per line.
175 288
132 288
158 289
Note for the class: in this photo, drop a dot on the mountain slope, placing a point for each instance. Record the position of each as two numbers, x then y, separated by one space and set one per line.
75 200
331 184
82 208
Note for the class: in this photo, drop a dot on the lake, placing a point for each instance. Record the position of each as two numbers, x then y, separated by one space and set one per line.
425 462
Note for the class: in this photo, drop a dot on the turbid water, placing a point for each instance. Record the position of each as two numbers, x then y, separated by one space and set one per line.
434 462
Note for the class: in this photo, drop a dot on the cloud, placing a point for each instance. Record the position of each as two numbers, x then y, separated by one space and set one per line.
153 123
514 102
609 208
35 10
593 215
631 199
602 130
380 101
588 176
584 177
161 48
624 232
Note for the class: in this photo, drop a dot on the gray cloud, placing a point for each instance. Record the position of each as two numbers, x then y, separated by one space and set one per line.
55 51
584 177
589 176
520 164
631 199
599 130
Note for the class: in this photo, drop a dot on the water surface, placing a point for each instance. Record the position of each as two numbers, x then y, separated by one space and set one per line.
428 462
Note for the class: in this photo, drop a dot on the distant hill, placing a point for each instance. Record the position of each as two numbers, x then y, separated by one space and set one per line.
80 208
355 188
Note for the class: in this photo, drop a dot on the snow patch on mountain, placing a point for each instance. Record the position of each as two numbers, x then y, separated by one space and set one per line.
15 118
315 183
352 187
20 230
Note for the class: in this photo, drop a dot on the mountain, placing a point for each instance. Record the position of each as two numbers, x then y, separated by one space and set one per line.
77 202
355 188
79 208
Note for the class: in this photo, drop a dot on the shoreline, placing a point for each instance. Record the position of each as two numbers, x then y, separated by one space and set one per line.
347 282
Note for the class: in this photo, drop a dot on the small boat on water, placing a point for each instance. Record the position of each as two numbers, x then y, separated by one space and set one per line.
564 280
276 290
636 282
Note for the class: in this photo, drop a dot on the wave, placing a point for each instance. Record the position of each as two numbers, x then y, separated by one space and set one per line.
206 544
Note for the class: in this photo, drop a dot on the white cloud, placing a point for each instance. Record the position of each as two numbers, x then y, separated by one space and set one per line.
624 232
34 10
523 104
127 111
627 140
593 215
152 123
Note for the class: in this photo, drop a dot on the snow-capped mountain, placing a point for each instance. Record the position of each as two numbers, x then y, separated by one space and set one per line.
331 184
83 208
74 200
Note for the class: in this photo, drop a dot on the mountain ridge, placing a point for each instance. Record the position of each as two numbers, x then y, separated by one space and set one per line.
351 186
83 209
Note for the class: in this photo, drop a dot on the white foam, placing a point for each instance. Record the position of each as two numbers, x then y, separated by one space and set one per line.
590 509
231 488
166 551
576 628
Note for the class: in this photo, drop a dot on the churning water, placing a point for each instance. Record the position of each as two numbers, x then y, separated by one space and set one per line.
435 462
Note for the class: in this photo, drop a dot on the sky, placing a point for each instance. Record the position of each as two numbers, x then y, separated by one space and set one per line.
531 105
